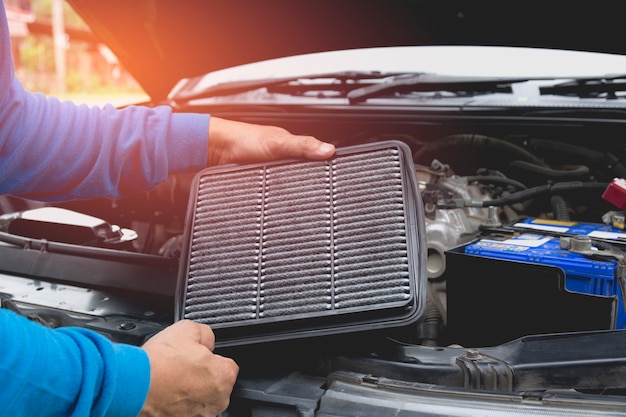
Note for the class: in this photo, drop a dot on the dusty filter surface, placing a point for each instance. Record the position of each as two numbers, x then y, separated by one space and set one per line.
285 247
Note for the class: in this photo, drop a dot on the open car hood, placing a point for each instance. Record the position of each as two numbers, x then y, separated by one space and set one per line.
163 41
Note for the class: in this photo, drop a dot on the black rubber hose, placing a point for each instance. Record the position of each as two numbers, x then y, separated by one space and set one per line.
496 179
556 188
559 207
478 141
551 173
428 330
607 246
585 154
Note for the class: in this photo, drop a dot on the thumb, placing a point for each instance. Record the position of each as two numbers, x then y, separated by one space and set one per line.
188 330
309 147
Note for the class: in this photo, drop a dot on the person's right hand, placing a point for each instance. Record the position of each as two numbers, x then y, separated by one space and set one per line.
233 142
187 378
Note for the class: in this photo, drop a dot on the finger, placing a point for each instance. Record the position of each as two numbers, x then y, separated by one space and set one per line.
228 368
200 333
323 151
206 337
219 384
310 148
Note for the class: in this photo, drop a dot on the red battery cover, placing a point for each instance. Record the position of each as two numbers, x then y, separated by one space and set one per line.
615 193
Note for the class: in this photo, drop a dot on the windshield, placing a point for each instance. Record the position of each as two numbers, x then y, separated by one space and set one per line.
444 60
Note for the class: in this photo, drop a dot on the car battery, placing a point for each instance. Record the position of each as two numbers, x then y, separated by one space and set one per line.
541 244
517 280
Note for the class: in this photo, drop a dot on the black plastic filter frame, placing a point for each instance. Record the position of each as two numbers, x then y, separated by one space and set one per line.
304 248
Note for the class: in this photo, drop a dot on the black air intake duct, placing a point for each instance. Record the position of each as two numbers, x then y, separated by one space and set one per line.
305 248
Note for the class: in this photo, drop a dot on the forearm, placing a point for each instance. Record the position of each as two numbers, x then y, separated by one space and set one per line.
69 371
53 150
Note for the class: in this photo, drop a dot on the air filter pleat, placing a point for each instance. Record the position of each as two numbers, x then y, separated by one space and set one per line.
300 240
291 216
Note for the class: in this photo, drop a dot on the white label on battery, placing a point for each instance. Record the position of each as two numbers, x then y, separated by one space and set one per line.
607 235
526 239
547 228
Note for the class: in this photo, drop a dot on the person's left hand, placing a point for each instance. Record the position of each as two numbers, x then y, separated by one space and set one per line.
186 377
238 142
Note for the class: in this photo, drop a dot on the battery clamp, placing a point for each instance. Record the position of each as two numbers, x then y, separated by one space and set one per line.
584 245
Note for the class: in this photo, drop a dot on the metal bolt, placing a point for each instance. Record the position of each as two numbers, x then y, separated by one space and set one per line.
127 326
472 354
580 244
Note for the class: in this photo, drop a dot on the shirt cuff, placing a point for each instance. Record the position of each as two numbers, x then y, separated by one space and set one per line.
132 381
188 142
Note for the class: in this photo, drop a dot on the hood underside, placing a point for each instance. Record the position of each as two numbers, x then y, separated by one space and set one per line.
163 41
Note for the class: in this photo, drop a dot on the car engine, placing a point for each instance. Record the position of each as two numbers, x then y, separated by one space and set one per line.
522 258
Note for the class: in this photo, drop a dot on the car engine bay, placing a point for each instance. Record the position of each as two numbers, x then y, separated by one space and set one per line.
523 274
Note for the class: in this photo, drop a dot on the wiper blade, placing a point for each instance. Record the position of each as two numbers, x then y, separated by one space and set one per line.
343 81
425 82
589 87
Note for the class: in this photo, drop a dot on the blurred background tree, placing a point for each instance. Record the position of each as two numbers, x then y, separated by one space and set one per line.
87 67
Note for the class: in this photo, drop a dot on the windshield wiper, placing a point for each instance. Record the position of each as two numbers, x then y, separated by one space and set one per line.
359 86
341 82
589 87
404 84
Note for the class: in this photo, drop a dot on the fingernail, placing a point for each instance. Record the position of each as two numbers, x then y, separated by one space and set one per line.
326 148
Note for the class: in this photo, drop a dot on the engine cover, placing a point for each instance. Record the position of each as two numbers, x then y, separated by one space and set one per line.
305 248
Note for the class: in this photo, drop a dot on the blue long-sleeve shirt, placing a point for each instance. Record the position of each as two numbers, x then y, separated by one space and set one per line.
67 372
52 150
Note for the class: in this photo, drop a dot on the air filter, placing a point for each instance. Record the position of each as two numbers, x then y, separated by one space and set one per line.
304 248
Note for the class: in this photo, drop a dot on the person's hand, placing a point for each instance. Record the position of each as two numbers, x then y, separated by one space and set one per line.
187 378
240 143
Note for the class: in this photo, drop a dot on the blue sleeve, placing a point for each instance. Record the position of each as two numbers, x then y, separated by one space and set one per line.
53 150
67 372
